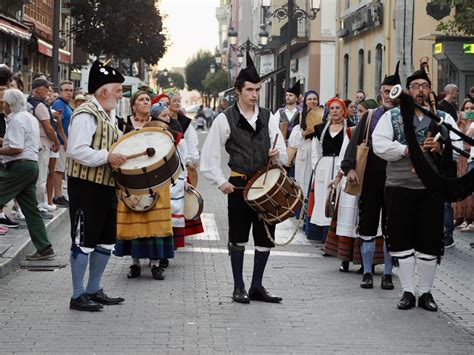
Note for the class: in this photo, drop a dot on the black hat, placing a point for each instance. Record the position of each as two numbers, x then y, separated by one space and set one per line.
296 89
393 79
419 74
101 74
249 73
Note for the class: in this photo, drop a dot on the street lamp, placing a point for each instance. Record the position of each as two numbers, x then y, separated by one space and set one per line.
165 72
263 34
240 57
218 57
213 68
232 35
293 12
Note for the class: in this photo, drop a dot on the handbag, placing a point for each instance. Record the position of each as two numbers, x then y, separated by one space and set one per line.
361 161
330 201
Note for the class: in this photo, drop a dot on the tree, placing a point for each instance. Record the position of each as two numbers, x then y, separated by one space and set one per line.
197 69
216 82
164 81
119 28
462 22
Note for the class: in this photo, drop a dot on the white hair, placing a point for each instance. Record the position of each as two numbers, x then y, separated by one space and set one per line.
15 100
449 88
108 87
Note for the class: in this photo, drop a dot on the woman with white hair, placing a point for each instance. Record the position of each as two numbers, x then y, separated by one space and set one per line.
20 157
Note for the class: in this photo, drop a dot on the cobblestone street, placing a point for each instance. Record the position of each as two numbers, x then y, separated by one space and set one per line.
323 310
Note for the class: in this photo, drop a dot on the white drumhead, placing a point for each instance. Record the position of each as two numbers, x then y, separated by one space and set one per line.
139 142
191 205
272 178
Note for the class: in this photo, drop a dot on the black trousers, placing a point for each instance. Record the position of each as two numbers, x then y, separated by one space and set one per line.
93 213
371 202
414 220
242 217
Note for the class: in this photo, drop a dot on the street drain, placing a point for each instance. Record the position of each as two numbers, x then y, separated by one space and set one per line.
43 265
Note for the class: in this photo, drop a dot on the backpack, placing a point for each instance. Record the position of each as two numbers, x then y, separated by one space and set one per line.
34 102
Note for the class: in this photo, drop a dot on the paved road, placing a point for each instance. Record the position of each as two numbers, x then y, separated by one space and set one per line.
323 311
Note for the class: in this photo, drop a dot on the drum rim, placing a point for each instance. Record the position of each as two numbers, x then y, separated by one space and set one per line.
121 191
151 167
256 176
196 193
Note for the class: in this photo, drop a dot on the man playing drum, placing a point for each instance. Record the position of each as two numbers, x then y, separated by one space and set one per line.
246 131
91 187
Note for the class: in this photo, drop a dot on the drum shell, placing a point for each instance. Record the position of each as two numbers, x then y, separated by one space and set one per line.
265 205
192 193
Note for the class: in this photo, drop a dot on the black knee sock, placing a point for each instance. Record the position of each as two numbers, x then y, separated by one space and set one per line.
237 262
260 261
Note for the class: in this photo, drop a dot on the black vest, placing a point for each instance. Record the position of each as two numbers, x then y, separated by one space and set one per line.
247 148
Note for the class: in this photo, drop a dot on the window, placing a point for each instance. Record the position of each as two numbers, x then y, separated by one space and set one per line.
361 69
378 68
345 79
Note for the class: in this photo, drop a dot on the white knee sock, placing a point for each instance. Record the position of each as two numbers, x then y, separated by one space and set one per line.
406 269
426 268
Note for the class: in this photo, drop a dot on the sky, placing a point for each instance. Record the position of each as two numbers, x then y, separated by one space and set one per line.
191 25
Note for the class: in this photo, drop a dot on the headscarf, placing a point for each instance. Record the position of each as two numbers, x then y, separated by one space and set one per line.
157 98
369 104
305 108
157 109
171 92
340 102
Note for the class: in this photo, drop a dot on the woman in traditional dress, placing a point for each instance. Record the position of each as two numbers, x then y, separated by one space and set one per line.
149 234
327 142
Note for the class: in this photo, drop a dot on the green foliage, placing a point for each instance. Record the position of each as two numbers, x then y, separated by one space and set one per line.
130 29
197 69
216 82
463 23
176 78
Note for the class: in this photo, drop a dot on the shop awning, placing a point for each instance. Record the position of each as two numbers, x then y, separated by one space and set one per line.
47 49
263 77
14 29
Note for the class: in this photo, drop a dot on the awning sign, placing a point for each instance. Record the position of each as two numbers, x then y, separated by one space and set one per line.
468 48
438 48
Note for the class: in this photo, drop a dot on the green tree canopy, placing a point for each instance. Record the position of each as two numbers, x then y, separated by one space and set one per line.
216 82
164 81
197 69
119 28
463 22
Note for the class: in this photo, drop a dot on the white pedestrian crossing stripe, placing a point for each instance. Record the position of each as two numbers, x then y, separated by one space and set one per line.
210 228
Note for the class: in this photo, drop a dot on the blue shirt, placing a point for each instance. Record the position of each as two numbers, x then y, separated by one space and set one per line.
60 104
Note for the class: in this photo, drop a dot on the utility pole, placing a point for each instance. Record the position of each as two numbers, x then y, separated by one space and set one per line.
56 23
288 43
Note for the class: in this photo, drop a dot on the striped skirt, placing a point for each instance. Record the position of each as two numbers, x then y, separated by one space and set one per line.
177 212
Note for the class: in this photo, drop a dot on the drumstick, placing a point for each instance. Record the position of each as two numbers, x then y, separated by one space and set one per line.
270 161
149 151
243 187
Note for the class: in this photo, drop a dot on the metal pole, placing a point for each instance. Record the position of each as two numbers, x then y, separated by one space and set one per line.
288 43
56 21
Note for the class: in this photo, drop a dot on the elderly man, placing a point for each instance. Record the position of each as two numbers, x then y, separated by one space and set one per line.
20 156
414 214
450 102
49 142
91 187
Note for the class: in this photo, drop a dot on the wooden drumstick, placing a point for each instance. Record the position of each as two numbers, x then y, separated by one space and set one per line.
149 151
243 187
270 161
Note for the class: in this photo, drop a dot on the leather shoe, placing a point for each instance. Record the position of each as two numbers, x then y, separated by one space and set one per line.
240 295
135 271
387 283
407 301
102 298
164 263
84 303
344 266
427 302
260 294
157 273
367 281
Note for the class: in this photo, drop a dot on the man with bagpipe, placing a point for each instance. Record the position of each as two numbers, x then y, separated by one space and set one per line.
417 146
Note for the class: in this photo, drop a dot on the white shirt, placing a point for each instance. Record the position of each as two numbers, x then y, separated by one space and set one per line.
388 149
81 131
22 133
42 114
289 113
192 141
218 136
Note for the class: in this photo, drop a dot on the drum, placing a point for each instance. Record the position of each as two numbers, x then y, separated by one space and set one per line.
139 176
193 204
138 203
277 199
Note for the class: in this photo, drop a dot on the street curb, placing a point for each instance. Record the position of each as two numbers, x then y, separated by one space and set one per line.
23 244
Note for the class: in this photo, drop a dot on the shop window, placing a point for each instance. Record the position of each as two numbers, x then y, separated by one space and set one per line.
361 69
378 68
345 79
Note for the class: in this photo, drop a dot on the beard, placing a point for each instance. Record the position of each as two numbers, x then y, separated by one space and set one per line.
110 103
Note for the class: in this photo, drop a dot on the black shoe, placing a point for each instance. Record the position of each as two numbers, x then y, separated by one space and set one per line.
84 303
7 222
387 283
344 266
164 263
427 302
60 201
407 301
260 294
157 273
240 295
135 271
46 254
367 281
102 298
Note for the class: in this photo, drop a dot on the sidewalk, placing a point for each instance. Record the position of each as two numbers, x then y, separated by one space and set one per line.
17 242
